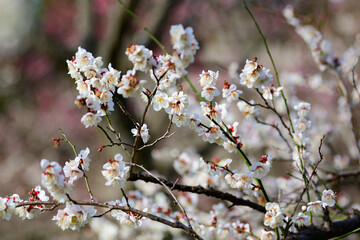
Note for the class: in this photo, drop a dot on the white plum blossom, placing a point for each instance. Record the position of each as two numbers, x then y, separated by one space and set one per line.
83 159
303 109
248 110
184 44
302 124
126 218
270 92
315 207
184 164
209 92
166 72
254 75
177 103
273 217
95 85
230 93
73 217
54 181
239 180
160 100
72 171
129 84
144 133
301 219
92 119
328 198
208 78
115 172
7 207
141 57
267 235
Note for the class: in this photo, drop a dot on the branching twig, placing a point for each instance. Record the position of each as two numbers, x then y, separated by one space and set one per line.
176 224
277 129
169 191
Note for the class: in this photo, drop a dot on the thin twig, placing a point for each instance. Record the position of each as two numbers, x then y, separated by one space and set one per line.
167 134
277 129
305 188
169 191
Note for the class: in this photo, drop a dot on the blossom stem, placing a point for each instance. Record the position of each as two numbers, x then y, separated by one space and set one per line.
142 25
85 177
272 62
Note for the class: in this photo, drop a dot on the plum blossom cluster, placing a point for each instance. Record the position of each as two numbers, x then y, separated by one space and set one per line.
130 219
273 216
115 172
144 133
208 82
302 127
54 180
256 76
327 199
95 84
8 205
74 169
73 217
319 46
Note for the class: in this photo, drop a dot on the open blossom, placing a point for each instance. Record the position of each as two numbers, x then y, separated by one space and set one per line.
141 57
29 211
303 109
302 124
315 207
126 218
129 84
259 170
72 171
273 216
115 172
230 93
184 42
267 235
214 112
239 180
248 110
95 85
83 159
160 100
177 103
301 219
208 78
7 207
254 75
144 133
270 92
328 198
92 119
209 92
73 217
54 181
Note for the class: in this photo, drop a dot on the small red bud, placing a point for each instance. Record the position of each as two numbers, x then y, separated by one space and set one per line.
100 148
56 142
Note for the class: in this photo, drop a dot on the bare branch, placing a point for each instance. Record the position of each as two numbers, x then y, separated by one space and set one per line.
211 192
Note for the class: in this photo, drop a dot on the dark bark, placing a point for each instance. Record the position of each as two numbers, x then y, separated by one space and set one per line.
211 192
337 229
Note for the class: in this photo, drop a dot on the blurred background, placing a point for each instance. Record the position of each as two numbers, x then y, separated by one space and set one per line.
37 96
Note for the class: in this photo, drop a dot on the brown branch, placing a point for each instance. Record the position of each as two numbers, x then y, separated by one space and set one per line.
211 192
338 229
176 224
